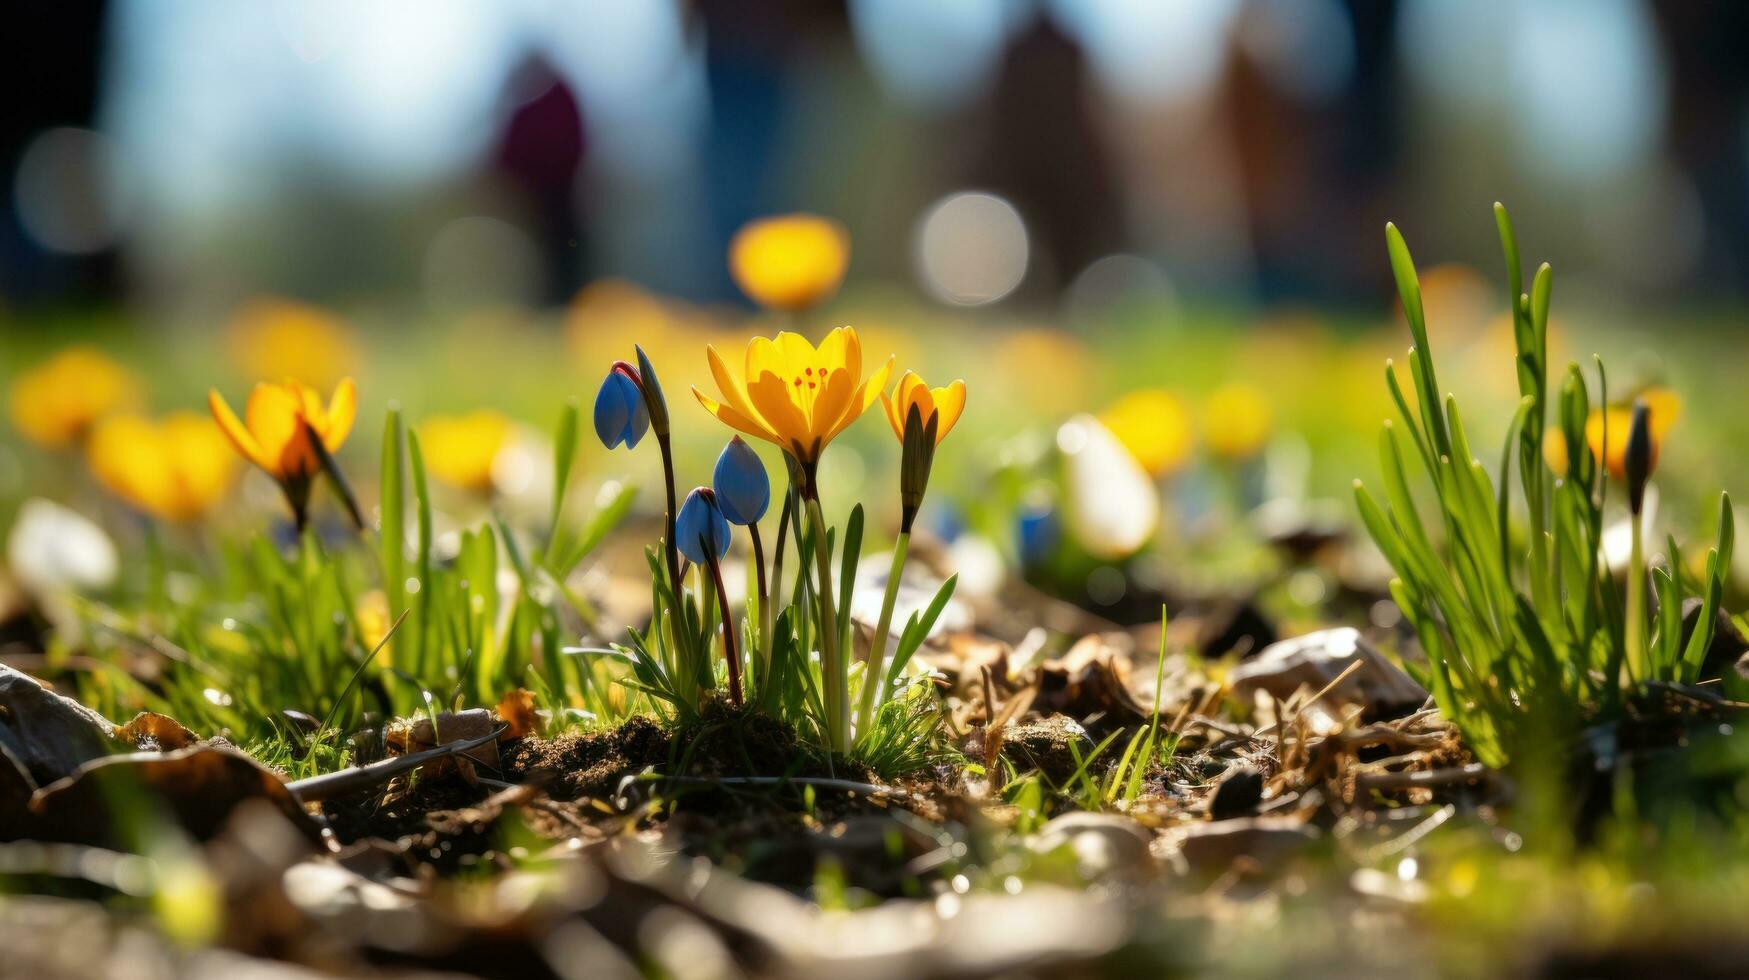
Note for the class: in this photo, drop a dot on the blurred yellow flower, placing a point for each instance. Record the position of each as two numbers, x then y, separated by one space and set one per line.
275 437
1236 420
1555 450
461 449
793 394
949 402
606 311
373 625
1457 301
1663 408
790 262
274 337
55 403
1029 352
174 469
1155 426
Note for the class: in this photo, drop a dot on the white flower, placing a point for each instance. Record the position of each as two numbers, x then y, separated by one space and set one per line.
52 549
1112 507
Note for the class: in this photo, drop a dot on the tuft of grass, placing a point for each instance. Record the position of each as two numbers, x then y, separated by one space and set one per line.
1525 631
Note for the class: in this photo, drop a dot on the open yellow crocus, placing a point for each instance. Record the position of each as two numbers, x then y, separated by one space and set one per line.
461 449
945 403
793 394
56 403
1663 407
174 469
281 419
790 262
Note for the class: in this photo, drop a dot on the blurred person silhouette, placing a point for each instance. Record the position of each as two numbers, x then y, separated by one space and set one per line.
1316 145
764 61
1709 109
1037 146
540 158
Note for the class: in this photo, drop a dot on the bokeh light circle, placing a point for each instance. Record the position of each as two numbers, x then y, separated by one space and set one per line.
971 248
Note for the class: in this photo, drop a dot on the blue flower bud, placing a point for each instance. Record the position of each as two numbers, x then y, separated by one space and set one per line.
700 531
620 414
743 488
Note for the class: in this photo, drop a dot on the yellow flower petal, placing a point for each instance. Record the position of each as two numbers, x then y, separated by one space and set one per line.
275 414
342 411
734 419
237 432
950 402
944 403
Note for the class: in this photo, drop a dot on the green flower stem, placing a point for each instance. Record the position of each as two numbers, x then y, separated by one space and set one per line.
730 654
873 684
1638 669
832 664
762 642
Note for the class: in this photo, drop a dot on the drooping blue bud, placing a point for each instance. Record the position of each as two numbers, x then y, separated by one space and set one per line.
742 486
620 413
701 532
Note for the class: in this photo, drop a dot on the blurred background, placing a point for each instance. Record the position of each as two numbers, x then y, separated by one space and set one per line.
184 156
1165 214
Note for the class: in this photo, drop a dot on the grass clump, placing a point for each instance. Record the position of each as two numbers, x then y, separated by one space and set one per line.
1526 631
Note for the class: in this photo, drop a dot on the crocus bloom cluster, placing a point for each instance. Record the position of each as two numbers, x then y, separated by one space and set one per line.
174 469
794 395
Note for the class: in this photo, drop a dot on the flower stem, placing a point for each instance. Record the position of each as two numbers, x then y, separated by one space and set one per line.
783 521
763 644
730 654
832 665
1638 669
873 684
669 545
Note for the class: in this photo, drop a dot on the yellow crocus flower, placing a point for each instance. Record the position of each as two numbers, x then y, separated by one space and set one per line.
174 469
1236 421
55 403
949 402
793 394
1663 407
282 418
790 262
461 449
